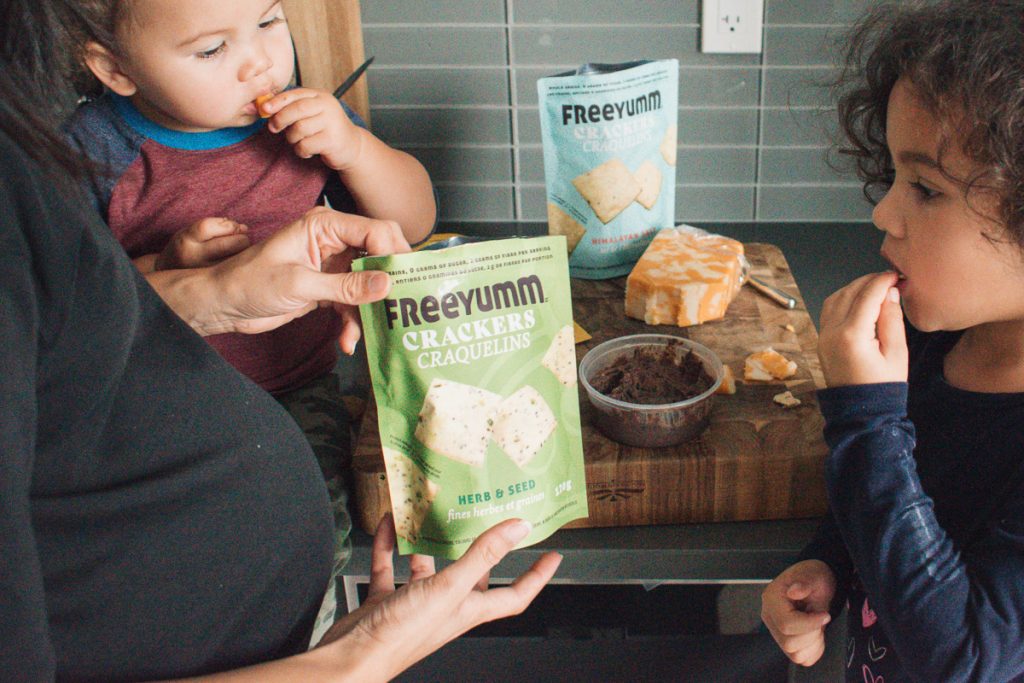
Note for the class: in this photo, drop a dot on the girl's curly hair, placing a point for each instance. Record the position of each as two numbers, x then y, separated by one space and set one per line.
965 61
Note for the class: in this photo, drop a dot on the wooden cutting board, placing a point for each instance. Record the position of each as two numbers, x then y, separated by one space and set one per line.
757 460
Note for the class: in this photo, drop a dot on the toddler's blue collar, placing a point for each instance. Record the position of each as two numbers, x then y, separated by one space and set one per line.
177 139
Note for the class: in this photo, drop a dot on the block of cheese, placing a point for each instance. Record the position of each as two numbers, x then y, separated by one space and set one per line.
767 365
686 277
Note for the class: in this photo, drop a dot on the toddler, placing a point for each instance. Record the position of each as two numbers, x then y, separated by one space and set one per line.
181 139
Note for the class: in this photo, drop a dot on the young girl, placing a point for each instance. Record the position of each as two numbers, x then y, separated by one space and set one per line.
925 538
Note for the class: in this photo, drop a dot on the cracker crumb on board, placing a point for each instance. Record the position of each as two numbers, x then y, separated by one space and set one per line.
728 385
786 399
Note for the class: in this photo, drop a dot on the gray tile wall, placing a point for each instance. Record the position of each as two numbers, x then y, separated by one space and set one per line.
454 83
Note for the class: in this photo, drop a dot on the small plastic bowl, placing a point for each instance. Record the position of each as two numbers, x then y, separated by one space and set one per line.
645 425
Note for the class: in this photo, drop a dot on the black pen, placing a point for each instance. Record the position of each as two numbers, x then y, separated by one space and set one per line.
350 81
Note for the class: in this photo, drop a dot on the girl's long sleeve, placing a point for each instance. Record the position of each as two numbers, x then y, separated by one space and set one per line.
951 614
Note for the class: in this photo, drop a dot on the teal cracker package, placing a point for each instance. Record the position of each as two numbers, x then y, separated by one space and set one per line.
609 134
473 364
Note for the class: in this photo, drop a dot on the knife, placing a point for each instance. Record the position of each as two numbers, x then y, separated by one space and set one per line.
350 81
776 295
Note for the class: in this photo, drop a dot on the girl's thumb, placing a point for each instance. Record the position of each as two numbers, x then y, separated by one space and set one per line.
891 334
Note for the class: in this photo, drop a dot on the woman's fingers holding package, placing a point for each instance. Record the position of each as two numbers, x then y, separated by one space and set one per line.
487 551
335 232
421 567
515 598
382 568
351 331
361 288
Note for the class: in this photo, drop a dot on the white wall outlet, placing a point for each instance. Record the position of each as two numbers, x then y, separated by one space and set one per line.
731 26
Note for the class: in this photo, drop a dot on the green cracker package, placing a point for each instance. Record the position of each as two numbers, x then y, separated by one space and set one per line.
609 134
473 364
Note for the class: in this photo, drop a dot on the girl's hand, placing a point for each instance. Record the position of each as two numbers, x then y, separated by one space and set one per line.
315 123
794 607
203 243
392 629
862 339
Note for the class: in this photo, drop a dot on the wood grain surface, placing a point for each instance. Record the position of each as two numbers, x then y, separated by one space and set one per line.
757 460
328 37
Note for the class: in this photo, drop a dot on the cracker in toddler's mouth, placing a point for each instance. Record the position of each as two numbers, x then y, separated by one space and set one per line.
262 100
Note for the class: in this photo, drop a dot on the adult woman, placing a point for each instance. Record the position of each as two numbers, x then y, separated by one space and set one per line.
159 515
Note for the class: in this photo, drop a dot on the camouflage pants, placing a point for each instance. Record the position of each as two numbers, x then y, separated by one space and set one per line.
329 420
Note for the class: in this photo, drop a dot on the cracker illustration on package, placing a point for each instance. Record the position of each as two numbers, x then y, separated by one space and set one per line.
560 358
609 135
411 494
473 364
561 223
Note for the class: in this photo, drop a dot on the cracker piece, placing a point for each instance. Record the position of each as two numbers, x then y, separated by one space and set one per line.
412 494
561 223
560 358
608 188
786 399
766 365
649 177
668 146
455 420
522 424
728 385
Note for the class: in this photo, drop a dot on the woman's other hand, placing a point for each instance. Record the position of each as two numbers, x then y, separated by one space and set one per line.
862 339
794 607
395 629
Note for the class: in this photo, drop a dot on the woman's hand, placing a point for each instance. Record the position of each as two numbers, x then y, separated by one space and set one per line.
794 607
392 630
303 265
862 339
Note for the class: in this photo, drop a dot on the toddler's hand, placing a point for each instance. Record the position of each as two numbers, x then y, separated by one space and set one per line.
794 607
315 123
204 243
862 339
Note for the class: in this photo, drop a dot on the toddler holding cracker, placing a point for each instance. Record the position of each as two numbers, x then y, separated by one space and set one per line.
181 139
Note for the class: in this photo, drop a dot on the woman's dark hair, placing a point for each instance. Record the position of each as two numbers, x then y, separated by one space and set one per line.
40 62
965 62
